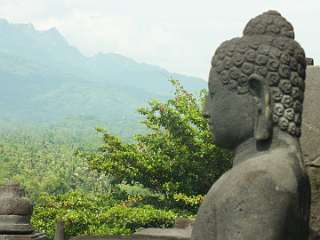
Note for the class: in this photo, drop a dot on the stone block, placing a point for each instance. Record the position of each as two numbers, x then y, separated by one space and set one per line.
33 236
310 140
165 233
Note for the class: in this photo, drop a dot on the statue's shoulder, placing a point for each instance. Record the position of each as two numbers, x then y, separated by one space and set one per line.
276 172
278 166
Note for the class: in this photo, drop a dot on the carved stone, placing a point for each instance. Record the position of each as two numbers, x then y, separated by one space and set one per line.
256 93
59 231
15 210
15 214
163 233
310 140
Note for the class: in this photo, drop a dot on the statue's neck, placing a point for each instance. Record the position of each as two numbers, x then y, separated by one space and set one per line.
251 148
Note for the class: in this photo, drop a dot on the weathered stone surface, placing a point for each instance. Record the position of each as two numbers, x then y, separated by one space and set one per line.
256 90
13 202
15 206
15 215
134 237
183 223
165 233
181 231
15 210
33 236
101 238
16 228
59 231
14 219
310 140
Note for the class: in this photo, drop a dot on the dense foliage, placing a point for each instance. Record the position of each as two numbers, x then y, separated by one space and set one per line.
122 185
63 187
176 156
98 214
43 160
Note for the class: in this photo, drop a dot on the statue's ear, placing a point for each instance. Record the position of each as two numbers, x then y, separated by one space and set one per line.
259 88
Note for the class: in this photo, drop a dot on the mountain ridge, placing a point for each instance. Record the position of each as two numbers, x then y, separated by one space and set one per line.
45 79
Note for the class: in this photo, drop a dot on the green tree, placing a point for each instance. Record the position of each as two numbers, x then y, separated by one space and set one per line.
176 156
43 160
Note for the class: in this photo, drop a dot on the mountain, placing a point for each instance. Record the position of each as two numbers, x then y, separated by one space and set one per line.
45 80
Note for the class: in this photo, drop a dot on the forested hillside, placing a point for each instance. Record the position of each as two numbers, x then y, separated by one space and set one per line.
44 79
102 184
70 135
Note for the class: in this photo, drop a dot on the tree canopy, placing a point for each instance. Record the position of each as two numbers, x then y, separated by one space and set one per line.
177 155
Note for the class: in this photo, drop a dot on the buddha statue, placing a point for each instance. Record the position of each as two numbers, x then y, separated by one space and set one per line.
256 90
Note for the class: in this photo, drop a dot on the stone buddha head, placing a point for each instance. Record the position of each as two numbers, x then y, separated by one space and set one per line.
256 83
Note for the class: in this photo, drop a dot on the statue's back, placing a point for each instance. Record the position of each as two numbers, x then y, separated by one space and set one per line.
263 198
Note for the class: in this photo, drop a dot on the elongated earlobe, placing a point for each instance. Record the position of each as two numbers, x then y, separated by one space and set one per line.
263 124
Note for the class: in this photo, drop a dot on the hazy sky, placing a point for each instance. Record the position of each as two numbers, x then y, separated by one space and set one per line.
179 35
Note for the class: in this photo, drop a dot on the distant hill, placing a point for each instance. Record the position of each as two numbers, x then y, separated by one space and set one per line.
45 80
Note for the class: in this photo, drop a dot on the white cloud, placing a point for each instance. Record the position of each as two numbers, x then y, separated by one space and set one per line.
179 35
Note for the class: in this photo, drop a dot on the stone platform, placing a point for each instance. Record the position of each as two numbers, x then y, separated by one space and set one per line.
148 234
168 233
33 236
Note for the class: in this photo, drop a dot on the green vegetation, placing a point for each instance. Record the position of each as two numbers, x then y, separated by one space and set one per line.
176 156
44 79
115 186
44 160
98 214
52 97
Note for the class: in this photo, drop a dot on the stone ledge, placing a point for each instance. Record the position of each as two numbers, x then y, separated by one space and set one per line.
146 234
16 228
34 236
165 233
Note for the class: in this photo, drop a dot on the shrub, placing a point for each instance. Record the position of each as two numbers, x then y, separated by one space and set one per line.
87 214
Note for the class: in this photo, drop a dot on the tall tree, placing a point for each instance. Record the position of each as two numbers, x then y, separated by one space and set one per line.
177 155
